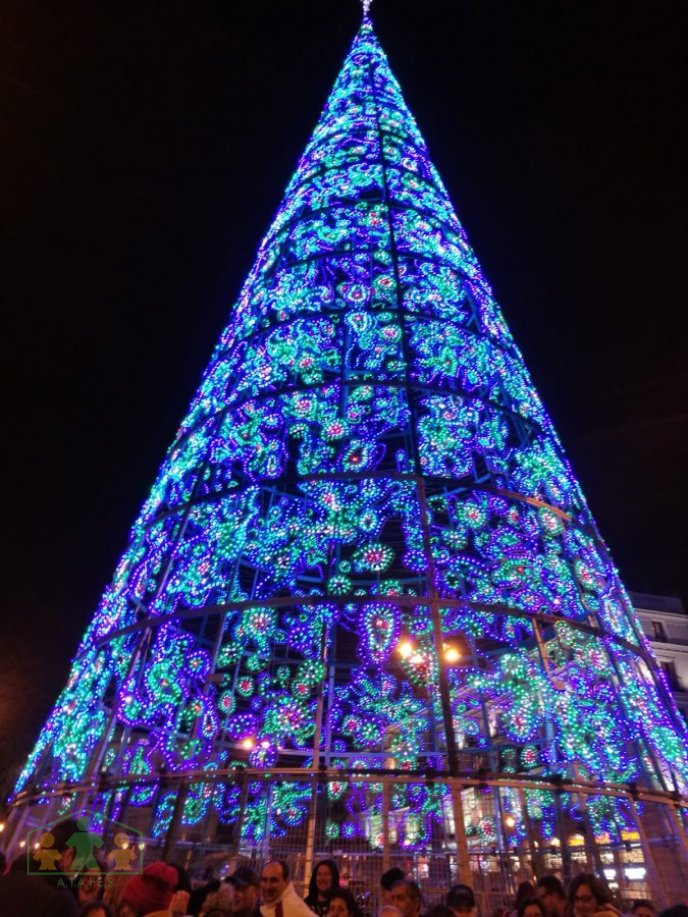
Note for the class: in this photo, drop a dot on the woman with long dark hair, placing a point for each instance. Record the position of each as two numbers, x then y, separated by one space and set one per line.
324 880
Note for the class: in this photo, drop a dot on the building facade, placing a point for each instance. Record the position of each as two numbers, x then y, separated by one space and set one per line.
665 623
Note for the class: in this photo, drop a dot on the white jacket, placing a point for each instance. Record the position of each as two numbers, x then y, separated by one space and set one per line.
292 905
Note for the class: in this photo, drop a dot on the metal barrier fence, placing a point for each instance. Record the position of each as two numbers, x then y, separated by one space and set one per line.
490 832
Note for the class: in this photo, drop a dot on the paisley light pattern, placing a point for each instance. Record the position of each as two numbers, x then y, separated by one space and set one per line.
366 549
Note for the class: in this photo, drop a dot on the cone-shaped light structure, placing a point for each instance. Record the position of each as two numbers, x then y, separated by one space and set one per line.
366 607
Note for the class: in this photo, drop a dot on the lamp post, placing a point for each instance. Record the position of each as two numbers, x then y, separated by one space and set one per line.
418 665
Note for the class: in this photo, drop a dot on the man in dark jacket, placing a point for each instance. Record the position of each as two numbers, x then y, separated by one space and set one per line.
245 890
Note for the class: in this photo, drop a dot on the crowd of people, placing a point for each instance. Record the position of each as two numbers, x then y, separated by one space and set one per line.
164 890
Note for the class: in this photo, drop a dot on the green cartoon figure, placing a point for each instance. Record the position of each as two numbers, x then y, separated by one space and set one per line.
83 843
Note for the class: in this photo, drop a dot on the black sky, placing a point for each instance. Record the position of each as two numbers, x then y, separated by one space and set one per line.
144 149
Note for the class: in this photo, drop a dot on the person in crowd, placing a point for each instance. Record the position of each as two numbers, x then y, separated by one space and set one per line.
114 887
387 880
324 879
524 890
95 909
88 887
245 886
183 880
216 910
180 902
198 895
678 910
24 895
461 900
278 893
588 895
531 907
182 891
643 908
341 903
389 910
150 892
407 897
440 910
218 903
552 894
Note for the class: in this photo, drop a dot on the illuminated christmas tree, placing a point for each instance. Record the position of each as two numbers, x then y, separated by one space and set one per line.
365 607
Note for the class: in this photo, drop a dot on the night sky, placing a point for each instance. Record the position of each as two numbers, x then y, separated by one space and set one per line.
145 149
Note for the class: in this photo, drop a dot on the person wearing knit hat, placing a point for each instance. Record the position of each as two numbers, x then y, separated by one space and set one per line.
149 893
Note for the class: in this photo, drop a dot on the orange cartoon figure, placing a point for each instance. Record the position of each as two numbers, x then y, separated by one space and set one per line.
46 855
123 856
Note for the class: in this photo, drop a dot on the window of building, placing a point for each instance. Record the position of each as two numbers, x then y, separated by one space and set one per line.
669 670
658 631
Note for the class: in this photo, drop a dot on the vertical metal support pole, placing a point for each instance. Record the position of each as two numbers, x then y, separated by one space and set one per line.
124 810
591 849
182 796
386 800
563 845
657 885
553 751
173 830
310 832
321 706
243 799
435 616
460 833
672 829
500 827
211 823
659 775
119 790
678 830
534 852
328 715
266 834
106 737
502 842
313 807
436 619
618 859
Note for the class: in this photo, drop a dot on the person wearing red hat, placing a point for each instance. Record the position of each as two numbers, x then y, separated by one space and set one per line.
149 893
